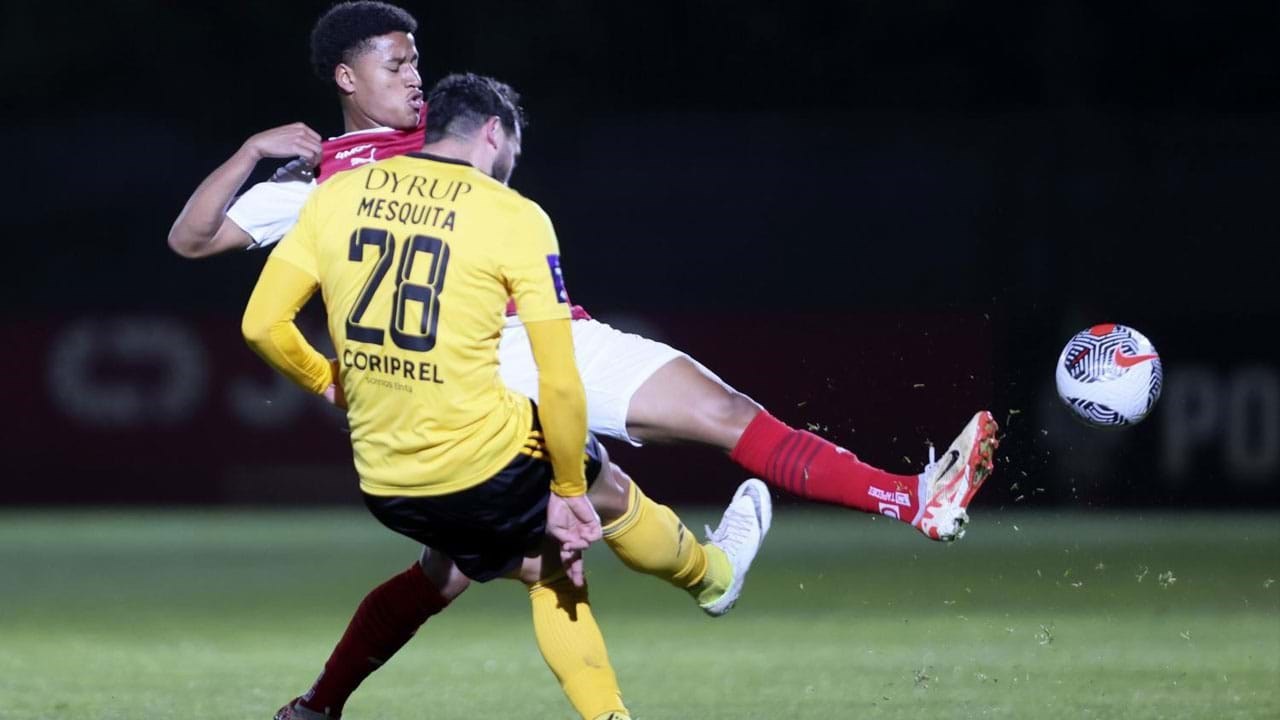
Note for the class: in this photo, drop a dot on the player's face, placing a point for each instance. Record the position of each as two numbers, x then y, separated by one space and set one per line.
384 83
508 152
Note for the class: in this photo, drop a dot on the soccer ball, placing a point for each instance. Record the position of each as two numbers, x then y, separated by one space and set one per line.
1109 375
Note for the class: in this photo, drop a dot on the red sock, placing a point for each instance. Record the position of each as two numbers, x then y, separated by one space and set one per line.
806 465
387 617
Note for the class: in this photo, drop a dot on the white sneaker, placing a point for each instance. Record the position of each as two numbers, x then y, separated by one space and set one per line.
950 482
742 529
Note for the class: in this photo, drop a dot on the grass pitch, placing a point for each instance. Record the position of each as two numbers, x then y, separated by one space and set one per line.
228 614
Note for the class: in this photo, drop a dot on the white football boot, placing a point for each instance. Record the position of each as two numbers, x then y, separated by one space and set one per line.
741 531
948 483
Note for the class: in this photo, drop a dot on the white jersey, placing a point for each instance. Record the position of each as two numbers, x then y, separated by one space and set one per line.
267 210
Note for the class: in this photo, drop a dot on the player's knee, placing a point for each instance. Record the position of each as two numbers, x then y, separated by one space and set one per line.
610 492
442 573
540 568
728 413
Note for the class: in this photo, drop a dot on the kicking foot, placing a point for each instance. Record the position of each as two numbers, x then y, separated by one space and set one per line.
948 483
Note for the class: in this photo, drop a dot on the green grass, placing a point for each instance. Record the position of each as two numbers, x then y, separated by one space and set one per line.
227 614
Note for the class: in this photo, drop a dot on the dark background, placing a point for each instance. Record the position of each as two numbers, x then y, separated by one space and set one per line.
872 217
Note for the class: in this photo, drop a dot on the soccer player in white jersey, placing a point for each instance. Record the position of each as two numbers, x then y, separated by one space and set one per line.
638 390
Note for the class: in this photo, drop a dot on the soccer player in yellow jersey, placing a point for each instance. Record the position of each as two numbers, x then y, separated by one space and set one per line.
416 258
638 390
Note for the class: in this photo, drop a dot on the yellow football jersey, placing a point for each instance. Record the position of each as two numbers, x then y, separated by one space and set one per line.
416 257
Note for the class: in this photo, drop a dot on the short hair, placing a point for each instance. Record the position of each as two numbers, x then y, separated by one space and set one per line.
462 102
345 30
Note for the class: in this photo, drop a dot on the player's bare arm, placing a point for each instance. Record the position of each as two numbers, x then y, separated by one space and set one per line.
202 228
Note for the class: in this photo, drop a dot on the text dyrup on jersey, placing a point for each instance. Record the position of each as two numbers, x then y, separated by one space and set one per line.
411 213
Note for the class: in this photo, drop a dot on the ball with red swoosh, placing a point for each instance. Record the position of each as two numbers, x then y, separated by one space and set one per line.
1109 376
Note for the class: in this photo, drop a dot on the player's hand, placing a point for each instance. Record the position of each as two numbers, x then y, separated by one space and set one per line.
573 522
286 141
334 393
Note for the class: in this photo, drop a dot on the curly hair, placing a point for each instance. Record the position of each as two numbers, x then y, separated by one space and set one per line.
462 102
346 29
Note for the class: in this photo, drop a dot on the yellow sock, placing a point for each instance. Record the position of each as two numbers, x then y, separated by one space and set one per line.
718 578
573 647
649 538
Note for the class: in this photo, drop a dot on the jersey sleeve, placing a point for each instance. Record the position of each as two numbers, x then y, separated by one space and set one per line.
267 210
269 328
298 248
531 269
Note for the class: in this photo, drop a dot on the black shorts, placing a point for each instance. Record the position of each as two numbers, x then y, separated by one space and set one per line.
489 528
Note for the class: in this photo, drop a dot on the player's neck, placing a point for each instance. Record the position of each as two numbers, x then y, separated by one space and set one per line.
455 150
353 119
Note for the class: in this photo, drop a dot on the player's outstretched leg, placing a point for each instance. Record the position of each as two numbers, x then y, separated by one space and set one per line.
948 483
648 537
384 621
683 401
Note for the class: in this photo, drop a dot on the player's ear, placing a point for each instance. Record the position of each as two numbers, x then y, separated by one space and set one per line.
493 131
345 78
